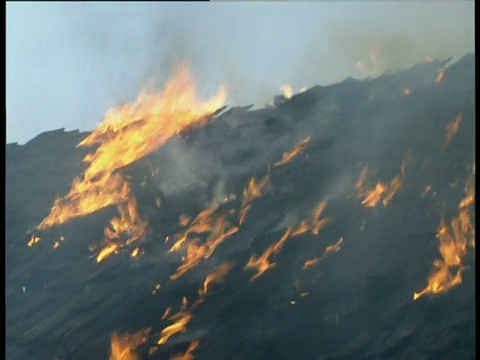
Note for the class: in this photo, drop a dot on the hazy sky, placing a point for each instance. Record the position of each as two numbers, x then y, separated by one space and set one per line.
67 63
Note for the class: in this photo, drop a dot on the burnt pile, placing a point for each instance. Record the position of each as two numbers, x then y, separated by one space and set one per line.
327 214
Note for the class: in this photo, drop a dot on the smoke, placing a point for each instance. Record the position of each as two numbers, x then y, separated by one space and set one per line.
92 57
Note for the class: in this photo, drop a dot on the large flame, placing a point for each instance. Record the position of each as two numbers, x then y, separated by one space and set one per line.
127 134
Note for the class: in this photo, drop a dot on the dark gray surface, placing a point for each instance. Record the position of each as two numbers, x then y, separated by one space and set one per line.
360 302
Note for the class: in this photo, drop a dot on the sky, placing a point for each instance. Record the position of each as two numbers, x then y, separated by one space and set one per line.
67 63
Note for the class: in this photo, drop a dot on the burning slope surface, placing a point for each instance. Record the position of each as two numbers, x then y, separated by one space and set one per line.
259 242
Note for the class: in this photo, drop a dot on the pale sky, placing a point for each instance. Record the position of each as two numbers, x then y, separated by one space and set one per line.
67 63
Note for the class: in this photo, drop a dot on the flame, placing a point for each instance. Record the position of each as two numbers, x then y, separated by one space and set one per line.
311 262
181 319
34 240
107 251
407 92
261 264
56 244
296 150
447 272
127 134
135 252
287 91
381 192
279 245
469 198
440 76
452 128
318 223
216 276
253 191
123 347
188 355
167 313
329 249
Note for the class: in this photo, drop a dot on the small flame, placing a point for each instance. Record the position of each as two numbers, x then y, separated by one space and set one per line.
407 92
287 91
440 76
452 128
215 277
107 251
56 245
188 355
34 240
381 192
181 319
123 346
261 264
296 150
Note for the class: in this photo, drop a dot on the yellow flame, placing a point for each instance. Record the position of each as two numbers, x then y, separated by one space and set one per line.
287 91
296 150
447 272
127 134
34 240
181 319
107 251
123 347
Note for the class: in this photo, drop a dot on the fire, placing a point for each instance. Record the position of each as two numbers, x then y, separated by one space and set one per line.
34 240
216 276
107 251
279 245
181 319
296 150
287 91
311 262
253 191
315 224
469 198
329 249
447 272
381 192
440 76
127 134
188 355
407 92
261 264
452 128
123 346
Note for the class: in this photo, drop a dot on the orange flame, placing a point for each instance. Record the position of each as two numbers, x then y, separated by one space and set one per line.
261 264
127 134
253 191
123 346
452 128
329 249
188 355
440 76
447 272
296 150
381 192
216 276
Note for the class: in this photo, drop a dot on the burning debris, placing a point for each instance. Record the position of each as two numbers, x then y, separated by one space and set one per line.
236 228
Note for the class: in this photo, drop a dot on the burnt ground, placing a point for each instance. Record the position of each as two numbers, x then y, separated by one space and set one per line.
360 299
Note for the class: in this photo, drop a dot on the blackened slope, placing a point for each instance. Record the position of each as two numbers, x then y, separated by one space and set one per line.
360 299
